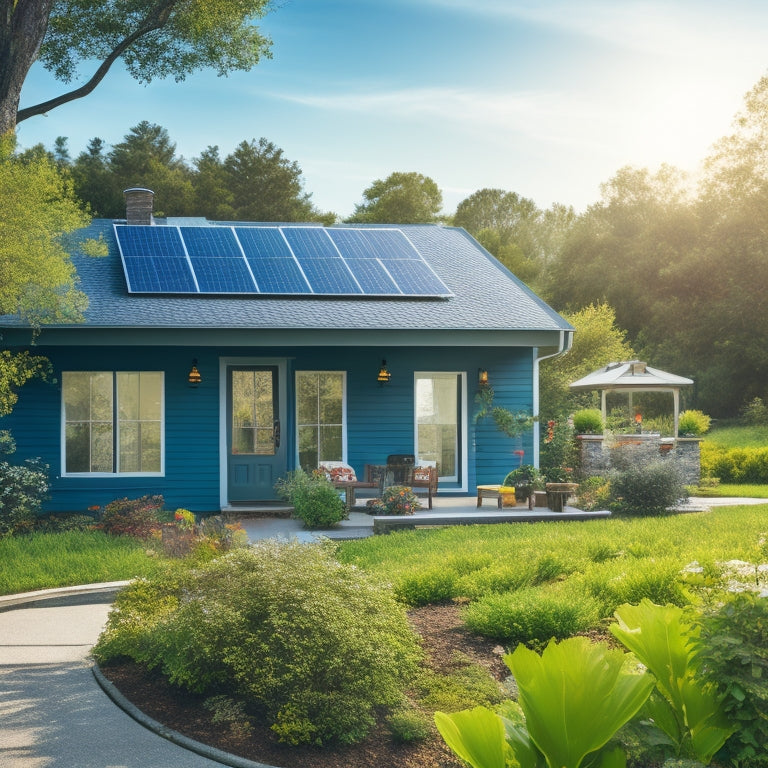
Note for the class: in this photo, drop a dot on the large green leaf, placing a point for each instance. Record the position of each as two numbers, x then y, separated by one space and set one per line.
576 695
664 641
476 736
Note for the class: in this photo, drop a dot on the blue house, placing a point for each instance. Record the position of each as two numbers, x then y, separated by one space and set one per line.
216 356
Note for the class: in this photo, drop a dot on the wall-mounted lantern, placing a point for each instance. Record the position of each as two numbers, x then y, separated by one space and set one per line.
194 377
384 375
482 377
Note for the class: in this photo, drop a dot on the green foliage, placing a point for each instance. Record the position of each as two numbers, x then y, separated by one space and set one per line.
734 465
530 616
401 198
598 340
464 685
527 476
646 488
66 522
511 423
310 643
588 421
754 413
132 517
685 707
314 499
693 422
15 370
574 698
559 456
593 493
426 585
396 500
23 488
733 648
407 726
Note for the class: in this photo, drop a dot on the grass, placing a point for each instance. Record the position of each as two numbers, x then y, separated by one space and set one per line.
47 560
732 490
738 436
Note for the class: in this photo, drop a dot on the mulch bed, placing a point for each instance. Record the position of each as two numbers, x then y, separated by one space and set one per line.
443 635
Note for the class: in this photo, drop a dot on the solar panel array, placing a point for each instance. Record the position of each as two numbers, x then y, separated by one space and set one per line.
275 260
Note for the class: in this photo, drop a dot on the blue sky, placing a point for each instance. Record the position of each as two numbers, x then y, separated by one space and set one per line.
547 99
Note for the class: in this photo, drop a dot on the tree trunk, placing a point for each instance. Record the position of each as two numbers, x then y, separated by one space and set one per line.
23 24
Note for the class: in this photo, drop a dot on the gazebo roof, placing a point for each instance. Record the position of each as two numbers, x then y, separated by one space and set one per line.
632 375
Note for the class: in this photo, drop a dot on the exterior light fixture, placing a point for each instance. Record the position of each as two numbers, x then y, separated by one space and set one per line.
482 377
639 423
384 375
194 377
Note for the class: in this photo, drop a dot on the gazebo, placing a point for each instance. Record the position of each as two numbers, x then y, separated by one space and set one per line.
630 377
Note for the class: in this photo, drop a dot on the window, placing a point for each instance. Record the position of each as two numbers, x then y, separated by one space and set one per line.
320 417
438 423
113 422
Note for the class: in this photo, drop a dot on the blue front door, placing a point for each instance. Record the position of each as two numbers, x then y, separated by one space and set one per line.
256 450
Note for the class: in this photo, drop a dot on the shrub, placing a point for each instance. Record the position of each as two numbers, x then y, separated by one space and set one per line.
529 616
735 465
132 517
646 489
593 493
59 523
408 725
396 500
734 653
315 501
526 476
754 413
693 423
427 585
588 421
312 645
23 488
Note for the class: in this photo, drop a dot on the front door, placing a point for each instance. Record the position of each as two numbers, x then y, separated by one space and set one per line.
256 451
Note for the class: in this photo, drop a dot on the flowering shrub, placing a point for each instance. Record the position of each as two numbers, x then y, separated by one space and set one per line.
184 519
22 491
132 517
396 500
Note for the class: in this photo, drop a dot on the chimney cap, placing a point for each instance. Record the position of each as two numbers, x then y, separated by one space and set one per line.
138 189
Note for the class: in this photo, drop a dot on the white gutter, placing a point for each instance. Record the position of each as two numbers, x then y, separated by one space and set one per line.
566 341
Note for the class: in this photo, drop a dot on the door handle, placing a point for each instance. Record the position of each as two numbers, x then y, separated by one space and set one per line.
276 433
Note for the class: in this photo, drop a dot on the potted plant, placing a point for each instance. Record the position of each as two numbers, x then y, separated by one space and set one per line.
524 480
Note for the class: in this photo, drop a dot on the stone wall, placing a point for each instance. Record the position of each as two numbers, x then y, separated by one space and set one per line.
599 456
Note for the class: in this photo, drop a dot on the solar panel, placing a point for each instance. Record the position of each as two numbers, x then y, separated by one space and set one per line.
310 243
275 260
373 277
150 274
330 276
258 242
279 276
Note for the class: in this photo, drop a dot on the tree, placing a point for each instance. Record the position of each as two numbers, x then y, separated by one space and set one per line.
401 198
213 199
153 38
37 278
94 181
264 184
596 342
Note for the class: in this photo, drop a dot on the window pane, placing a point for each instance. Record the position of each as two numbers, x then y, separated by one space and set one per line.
306 398
437 428
242 440
150 447
308 456
320 416
253 412
78 447
101 448
101 397
129 447
330 444
151 395
77 395
331 387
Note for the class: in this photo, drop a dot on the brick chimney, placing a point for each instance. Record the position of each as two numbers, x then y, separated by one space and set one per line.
138 205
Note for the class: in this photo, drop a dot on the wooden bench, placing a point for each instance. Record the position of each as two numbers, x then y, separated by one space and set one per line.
493 492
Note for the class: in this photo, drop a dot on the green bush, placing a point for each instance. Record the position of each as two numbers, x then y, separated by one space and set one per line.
315 501
734 652
588 421
735 465
693 423
530 616
310 644
754 413
646 489
59 523
408 725
132 517
593 493
435 584
23 488
395 500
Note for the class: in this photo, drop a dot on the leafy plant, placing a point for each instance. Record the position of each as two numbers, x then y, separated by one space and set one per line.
588 421
132 517
526 476
693 423
685 707
396 500
23 488
314 499
733 647
408 725
646 489
511 423
574 698
313 645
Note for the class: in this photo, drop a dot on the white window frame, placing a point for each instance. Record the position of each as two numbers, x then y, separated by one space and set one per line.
115 431
343 410
463 443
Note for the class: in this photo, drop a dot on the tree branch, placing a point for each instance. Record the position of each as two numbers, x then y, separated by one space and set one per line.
156 20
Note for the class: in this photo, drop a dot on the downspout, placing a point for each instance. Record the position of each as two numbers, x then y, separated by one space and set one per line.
566 341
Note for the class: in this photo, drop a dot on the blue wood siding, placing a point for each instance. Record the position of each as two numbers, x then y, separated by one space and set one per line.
380 419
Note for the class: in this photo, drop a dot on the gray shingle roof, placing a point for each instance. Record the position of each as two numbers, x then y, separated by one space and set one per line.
487 297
